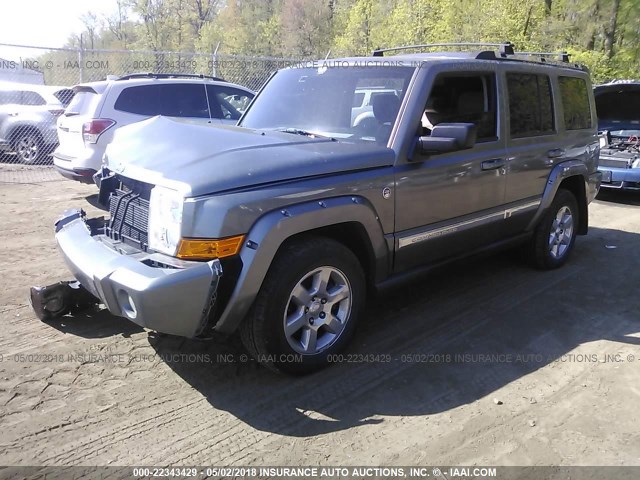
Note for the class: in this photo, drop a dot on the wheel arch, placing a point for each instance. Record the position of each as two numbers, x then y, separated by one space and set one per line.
351 221
20 129
571 175
576 184
352 235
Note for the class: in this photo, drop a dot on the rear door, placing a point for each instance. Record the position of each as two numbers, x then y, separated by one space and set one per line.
184 100
540 135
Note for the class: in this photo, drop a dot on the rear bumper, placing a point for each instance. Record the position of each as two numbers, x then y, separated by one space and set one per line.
151 290
83 175
620 178
83 160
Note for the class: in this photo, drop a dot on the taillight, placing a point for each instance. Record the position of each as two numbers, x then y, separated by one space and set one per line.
92 130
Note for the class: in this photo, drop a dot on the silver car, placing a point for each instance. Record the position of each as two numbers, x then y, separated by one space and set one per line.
28 115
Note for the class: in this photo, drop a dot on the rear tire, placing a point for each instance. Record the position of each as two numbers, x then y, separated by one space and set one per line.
555 235
307 308
28 147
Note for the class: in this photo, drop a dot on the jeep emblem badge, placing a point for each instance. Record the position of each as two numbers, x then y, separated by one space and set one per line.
386 193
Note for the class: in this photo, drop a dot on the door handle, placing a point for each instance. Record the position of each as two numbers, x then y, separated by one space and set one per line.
493 164
555 153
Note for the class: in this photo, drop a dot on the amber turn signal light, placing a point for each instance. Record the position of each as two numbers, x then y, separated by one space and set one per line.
207 249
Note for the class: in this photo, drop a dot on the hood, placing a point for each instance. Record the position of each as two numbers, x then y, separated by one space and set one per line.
618 106
199 159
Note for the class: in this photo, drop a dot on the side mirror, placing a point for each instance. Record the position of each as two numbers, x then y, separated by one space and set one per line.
448 137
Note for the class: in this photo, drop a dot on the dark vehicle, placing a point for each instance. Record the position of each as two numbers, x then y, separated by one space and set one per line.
618 106
280 227
28 115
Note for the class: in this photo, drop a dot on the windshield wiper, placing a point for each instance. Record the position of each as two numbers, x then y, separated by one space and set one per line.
298 131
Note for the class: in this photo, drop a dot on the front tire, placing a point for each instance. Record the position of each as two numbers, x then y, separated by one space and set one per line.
555 235
308 306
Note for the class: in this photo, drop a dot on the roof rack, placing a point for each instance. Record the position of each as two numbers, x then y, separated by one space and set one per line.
168 75
561 56
505 48
506 51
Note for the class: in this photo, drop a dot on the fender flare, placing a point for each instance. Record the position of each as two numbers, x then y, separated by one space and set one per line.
559 173
271 230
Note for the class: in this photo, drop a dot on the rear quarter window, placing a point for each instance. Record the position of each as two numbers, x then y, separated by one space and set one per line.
575 103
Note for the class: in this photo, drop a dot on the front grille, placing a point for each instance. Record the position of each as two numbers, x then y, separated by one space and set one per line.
613 162
129 221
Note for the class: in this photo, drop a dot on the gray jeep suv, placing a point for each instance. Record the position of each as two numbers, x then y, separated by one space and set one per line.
281 226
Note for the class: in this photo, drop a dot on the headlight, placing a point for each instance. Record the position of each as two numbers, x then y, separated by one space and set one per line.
165 220
636 164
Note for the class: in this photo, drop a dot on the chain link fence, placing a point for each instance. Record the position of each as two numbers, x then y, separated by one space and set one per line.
35 88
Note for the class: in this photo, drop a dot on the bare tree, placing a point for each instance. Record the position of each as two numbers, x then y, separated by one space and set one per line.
610 32
117 23
594 13
92 24
203 12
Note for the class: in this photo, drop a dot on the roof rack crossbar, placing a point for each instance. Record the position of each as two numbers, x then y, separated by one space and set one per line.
506 48
562 56
168 75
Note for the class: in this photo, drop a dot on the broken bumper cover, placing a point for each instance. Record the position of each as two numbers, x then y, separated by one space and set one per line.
154 291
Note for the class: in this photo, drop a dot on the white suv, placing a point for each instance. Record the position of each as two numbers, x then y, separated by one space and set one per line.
99 108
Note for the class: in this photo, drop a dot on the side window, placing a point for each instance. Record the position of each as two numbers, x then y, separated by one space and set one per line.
31 98
227 102
183 100
141 100
7 97
575 103
457 98
530 105
358 98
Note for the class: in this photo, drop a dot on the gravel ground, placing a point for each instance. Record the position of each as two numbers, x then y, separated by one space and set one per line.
490 362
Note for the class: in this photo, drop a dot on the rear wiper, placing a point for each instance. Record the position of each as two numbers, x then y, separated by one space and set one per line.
297 131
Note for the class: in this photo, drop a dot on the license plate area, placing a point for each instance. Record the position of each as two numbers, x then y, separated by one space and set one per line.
606 176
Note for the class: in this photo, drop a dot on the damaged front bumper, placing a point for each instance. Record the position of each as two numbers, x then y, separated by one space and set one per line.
152 290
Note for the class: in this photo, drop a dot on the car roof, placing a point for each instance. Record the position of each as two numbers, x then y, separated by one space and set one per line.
101 86
414 60
504 53
32 87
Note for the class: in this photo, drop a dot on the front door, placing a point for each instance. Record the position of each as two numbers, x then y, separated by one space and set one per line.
449 204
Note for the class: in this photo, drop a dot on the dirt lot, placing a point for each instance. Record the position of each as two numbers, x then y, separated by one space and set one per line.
562 385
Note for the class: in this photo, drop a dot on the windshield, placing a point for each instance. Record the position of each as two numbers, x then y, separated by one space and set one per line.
347 103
